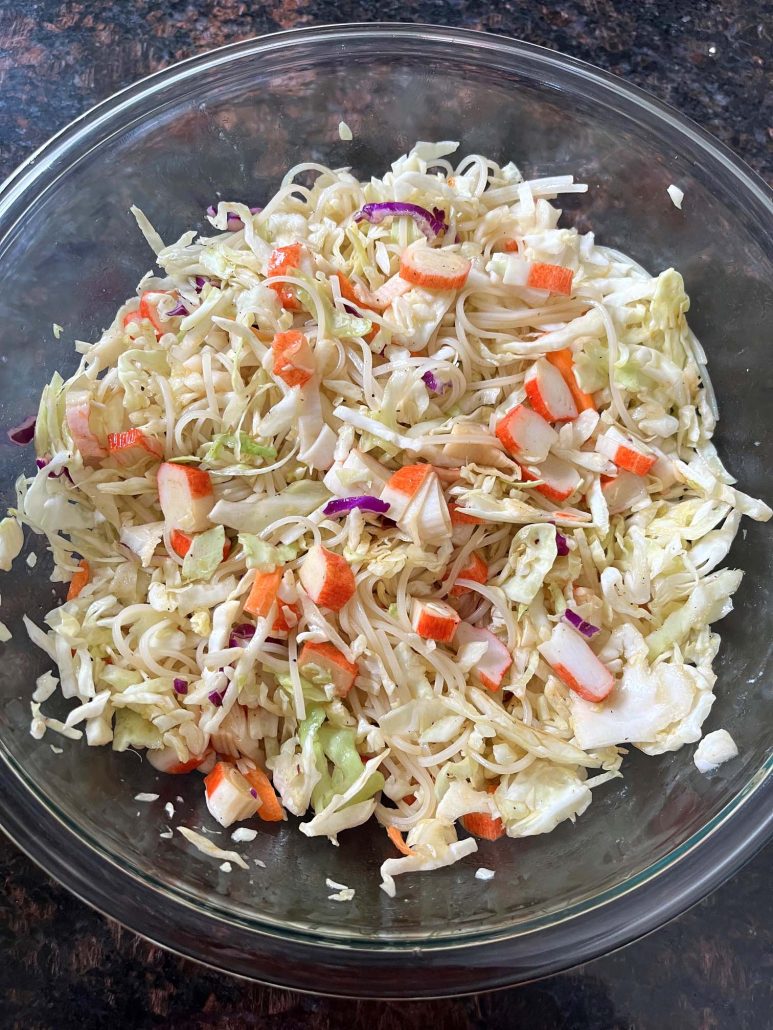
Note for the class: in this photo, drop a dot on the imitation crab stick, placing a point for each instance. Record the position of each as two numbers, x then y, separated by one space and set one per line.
623 491
575 664
459 517
475 569
548 393
625 452
270 809
492 667
148 308
439 269
482 825
434 620
186 497
293 360
393 288
403 486
79 579
263 593
555 278
525 434
132 446
284 261
327 578
324 656
559 478
417 504
167 761
229 796
563 360
181 543
77 413
397 839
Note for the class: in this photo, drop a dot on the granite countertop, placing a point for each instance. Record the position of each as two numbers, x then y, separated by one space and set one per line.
66 966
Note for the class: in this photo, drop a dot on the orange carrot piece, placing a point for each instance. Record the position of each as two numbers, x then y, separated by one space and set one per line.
270 809
554 278
79 580
480 824
564 362
397 839
263 593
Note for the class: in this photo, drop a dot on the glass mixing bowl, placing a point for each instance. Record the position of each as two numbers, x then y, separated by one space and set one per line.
229 124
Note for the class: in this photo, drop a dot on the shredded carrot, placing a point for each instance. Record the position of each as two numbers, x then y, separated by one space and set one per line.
564 362
79 580
270 808
397 839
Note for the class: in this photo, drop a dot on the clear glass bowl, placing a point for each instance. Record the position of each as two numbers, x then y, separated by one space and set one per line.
229 124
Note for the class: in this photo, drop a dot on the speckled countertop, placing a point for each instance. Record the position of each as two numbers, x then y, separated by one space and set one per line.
66 966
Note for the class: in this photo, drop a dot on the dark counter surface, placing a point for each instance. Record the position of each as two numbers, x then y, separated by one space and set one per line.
66 966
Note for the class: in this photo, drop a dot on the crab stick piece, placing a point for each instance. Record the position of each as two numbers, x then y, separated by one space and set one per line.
492 667
270 809
475 445
434 269
389 291
284 261
327 578
434 620
132 446
575 664
548 393
356 470
525 433
403 486
625 452
328 658
293 360
166 761
623 491
149 302
563 360
186 497
77 415
554 278
229 796
79 579
459 517
560 479
181 543
475 569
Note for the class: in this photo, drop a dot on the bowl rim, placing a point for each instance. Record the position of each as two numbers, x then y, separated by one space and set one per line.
610 919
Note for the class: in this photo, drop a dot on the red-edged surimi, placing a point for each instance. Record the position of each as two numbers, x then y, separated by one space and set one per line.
77 414
166 760
621 492
229 796
625 452
434 268
132 445
325 656
572 660
560 479
548 393
327 578
493 666
186 497
434 620
474 569
525 434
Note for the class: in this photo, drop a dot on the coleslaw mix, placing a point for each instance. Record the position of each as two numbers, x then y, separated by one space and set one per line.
393 500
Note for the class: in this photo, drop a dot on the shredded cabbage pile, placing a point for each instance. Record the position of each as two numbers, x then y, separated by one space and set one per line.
419 742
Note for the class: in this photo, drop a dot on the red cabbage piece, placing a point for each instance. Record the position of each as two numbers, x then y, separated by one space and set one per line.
432 223
177 310
435 384
216 698
233 222
24 432
241 634
366 502
586 628
562 544
180 686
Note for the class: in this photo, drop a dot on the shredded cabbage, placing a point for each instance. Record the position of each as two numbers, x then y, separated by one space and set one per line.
198 653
